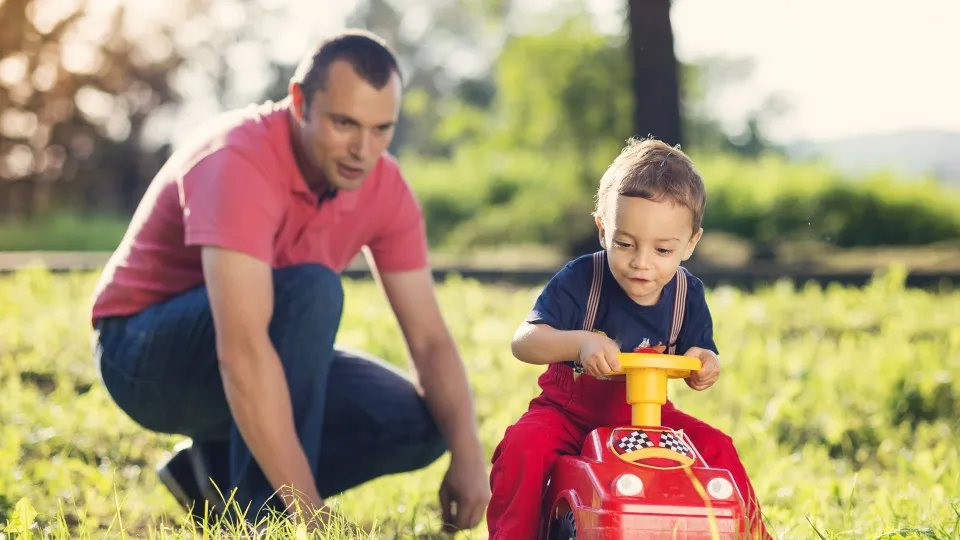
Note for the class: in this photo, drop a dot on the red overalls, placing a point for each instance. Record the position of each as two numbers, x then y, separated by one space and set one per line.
558 421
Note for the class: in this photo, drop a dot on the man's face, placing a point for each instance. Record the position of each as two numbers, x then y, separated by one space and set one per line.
645 242
349 125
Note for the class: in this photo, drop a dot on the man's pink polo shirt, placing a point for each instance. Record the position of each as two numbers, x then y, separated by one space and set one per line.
237 186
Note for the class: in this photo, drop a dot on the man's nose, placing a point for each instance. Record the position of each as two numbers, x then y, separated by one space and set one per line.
362 142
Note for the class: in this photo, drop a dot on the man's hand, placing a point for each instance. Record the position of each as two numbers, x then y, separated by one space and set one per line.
708 373
466 486
443 379
599 354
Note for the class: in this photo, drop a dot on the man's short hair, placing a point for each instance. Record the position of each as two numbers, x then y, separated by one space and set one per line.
368 54
653 170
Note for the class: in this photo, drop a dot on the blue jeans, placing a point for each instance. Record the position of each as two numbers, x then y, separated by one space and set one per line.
357 417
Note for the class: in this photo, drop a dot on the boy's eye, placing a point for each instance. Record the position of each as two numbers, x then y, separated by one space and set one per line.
664 251
619 243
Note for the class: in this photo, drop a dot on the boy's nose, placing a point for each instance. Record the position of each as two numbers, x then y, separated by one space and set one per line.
640 260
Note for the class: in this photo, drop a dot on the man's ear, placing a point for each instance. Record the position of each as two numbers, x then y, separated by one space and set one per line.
692 244
296 95
602 231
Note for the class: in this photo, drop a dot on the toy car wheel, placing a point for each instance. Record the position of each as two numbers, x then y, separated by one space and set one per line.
566 528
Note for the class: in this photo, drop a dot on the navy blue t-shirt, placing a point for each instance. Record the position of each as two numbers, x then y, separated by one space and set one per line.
563 302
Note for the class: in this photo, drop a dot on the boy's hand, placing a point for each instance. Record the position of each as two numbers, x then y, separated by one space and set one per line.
709 371
599 355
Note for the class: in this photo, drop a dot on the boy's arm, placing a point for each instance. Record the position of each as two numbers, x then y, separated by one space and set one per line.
552 332
541 344
696 338
708 373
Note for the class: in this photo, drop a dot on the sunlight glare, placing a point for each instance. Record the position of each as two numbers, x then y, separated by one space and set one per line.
96 105
45 74
13 69
19 161
18 124
45 14
227 15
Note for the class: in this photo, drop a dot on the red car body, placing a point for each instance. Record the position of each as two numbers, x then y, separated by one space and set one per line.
678 495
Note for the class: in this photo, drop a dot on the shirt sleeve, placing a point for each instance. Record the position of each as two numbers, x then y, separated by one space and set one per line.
400 244
697 330
228 202
562 303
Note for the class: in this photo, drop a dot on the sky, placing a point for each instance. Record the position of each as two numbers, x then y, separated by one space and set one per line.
845 67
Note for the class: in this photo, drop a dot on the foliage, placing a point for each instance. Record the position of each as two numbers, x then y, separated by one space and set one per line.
64 232
484 196
77 87
843 404
525 168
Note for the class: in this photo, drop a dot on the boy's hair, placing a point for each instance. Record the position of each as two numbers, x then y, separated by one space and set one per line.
369 55
653 170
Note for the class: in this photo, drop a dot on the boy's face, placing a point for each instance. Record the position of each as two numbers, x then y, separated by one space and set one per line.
645 242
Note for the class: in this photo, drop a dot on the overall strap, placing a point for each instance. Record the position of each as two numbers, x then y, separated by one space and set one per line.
593 300
679 304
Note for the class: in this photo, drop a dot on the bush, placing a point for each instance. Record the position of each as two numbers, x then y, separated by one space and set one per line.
486 197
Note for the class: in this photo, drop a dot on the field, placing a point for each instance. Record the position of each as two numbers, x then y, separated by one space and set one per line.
844 405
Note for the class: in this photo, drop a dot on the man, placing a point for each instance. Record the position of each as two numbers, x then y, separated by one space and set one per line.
216 316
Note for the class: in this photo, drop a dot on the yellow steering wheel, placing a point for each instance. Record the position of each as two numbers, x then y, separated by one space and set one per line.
647 375
646 379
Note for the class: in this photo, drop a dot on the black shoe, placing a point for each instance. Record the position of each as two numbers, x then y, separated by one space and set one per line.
182 475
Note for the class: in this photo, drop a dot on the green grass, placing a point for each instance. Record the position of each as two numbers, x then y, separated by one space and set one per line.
843 403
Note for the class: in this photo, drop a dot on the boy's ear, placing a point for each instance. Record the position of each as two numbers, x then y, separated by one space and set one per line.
599 222
692 244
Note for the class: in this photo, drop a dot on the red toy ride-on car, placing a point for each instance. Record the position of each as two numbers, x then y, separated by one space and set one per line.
645 480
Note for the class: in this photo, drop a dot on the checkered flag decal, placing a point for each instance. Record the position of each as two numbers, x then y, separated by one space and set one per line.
671 442
634 441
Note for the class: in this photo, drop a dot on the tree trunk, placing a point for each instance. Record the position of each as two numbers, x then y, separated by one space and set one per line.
656 86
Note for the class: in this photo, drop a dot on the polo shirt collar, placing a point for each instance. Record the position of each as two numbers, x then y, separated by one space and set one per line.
340 200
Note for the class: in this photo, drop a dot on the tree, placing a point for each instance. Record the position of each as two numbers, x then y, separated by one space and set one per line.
77 88
656 86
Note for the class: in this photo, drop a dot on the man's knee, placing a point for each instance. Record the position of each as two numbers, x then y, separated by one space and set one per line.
308 286
307 296
425 443
431 446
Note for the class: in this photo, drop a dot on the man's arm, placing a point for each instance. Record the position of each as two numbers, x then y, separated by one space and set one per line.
240 288
443 378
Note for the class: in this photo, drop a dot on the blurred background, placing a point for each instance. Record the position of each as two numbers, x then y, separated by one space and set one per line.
828 132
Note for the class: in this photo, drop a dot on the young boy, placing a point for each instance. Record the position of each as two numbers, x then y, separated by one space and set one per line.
633 294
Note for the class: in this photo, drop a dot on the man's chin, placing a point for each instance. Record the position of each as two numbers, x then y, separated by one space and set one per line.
349 184
348 179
